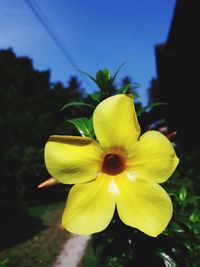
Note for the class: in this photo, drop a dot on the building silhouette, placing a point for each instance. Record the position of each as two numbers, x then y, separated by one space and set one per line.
178 74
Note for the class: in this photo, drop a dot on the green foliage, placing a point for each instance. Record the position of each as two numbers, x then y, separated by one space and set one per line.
78 104
168 261
182 193
105 83
4 262
84 126
103 79
96 97
116 73
125 88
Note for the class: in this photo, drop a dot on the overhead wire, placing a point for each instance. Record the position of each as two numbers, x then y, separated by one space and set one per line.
51 31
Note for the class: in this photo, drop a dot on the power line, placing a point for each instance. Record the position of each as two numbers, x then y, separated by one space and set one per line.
51 31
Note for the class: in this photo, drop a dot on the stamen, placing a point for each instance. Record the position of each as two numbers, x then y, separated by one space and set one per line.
49 182
171 135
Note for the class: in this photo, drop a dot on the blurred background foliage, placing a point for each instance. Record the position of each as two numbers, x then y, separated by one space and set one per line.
32 109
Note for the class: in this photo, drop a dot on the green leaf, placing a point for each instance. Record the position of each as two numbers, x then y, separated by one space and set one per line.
91 127
103 79
76 104
142 110
192 199
136 96
188 245
168 261
41 150
96 97
182 193
90 76
177 228
4 262
116 73
83 125
195 216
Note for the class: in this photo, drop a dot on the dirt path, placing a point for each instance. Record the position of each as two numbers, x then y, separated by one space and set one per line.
72 252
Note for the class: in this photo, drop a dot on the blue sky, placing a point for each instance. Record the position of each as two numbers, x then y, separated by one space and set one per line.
96 34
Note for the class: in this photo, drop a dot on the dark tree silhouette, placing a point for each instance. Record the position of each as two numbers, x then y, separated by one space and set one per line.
30 112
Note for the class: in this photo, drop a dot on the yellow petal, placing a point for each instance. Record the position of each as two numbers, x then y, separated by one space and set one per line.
115 122
71 159
90 207
153 158
144 205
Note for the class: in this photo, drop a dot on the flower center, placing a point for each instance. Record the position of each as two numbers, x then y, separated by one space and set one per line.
113 164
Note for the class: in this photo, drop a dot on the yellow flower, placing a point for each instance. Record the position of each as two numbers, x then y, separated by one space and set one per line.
118 170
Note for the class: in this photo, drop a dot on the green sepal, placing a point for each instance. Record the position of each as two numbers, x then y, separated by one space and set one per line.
84 126
77 104
142 110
